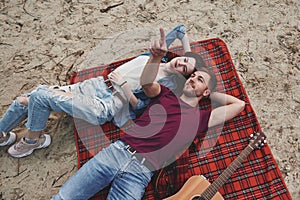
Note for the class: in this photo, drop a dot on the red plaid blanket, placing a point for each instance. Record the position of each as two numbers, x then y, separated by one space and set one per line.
257 178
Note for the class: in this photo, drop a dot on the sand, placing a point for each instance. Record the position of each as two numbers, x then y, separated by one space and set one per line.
43 42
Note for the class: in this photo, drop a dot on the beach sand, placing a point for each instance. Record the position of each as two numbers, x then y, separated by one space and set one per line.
43 42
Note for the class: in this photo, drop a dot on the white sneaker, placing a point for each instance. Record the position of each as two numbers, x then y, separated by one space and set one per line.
7 139
22 149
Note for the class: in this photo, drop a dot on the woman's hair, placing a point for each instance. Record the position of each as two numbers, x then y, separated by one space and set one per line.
200 65
197 57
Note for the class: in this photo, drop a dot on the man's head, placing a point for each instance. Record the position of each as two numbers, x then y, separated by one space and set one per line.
187 64
200 84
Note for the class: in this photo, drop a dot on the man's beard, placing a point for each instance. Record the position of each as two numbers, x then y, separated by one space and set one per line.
189 93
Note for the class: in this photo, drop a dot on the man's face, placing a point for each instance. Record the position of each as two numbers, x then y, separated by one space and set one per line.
197 84
183 65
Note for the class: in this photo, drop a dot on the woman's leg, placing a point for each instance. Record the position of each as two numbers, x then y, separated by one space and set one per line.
14 115
40 104
44 100
177 33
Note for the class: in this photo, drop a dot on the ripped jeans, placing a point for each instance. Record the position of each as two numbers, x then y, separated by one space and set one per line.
92 101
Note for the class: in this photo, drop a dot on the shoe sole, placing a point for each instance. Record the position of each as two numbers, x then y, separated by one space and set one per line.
11 139
46 144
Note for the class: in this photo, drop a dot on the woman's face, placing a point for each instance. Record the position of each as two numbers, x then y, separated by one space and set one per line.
183 65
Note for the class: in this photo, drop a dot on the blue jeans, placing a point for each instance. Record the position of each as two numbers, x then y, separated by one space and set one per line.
115 165
15 114
92 101
177 33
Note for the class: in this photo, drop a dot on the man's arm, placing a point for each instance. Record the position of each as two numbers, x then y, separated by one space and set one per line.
231 108
158 49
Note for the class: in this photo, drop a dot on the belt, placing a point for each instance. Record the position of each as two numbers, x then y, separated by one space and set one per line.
109 84
139 157
111 87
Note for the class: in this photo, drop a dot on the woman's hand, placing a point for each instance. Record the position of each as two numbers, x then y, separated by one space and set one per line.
119 80
116 78
158 48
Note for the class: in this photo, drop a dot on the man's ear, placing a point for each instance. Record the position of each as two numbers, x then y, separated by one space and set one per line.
206 93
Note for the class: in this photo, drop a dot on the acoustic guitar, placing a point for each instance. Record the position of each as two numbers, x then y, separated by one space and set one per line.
198 188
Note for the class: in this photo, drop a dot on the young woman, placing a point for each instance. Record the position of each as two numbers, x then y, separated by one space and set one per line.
96 100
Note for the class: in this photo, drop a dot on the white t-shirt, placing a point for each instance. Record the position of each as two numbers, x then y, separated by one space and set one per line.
132 71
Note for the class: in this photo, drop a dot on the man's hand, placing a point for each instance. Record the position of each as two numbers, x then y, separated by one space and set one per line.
158 48
231 107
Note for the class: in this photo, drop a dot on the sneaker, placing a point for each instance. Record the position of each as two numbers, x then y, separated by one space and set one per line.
7 139
22 149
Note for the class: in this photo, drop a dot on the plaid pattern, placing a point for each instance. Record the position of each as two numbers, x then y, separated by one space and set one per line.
257 178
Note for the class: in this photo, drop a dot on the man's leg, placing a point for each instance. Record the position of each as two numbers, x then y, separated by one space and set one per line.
131 181
87 181
132 178
94 175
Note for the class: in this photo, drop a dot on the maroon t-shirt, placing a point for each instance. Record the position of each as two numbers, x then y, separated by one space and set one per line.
166 127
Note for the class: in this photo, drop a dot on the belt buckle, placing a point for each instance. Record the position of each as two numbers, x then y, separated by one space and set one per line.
114 92
110 86
130 150
108 83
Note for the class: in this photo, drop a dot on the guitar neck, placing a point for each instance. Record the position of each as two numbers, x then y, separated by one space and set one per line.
221 180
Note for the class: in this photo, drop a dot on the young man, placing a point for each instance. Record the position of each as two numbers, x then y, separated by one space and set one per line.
167 127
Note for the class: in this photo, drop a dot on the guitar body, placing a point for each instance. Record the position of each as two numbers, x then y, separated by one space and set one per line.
198 188
192 189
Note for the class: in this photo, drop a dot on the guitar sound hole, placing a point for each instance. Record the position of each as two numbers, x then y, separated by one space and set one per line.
198 198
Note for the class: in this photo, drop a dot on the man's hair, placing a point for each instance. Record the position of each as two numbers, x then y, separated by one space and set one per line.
201 66
213 80
197 57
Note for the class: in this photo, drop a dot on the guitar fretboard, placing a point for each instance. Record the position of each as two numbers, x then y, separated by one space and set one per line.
221 180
